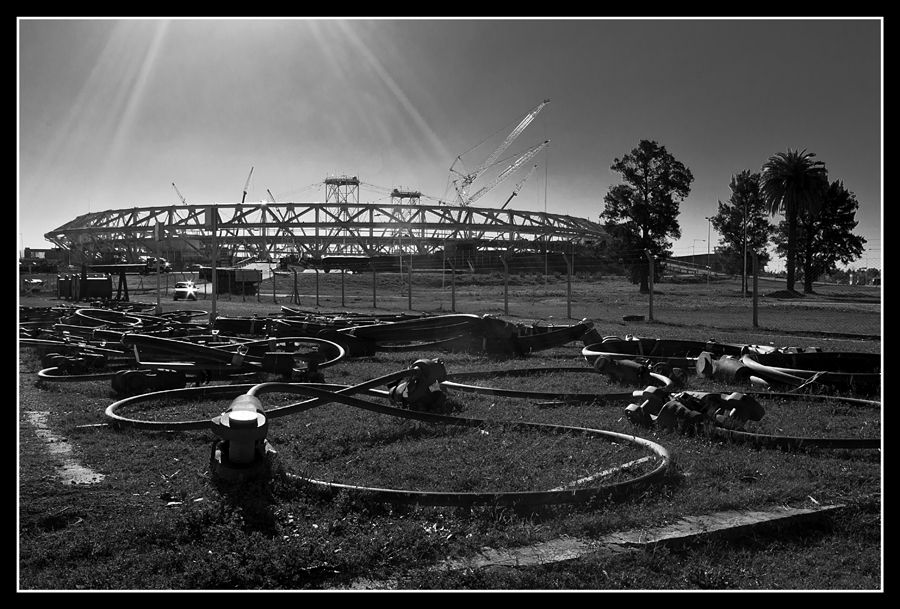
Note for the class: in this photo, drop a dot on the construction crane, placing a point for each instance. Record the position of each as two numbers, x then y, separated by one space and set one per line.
183 202
271 196
519 186
525 157
246 186
465 180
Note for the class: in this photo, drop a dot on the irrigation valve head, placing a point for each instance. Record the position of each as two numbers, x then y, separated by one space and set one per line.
243 429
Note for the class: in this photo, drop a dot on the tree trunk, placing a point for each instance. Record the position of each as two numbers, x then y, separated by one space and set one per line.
645 274
791 249
807 278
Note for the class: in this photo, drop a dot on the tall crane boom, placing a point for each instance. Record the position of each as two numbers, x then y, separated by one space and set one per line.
519 186
463 183
271 196
246 186
183 202
527 155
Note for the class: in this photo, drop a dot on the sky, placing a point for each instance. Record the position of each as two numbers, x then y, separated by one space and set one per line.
112 112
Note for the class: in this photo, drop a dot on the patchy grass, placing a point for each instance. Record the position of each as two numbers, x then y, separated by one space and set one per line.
160 521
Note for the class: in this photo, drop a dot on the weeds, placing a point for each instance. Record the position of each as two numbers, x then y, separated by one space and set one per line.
160 521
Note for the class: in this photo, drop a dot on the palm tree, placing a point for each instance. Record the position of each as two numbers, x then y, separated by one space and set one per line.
790 182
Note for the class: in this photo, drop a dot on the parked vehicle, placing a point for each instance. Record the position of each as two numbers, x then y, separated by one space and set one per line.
185 290
150 266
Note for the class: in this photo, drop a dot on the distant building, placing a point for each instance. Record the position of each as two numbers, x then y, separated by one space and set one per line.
716 261
42 260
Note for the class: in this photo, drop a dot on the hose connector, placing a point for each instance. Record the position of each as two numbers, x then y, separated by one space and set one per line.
243 451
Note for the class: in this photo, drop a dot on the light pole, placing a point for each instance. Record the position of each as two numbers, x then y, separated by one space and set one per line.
744 268
708 234
693 252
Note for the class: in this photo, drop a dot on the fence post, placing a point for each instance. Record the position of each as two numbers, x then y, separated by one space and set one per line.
214 270
342 288
374 285
505 285
650 259
316 269
452 287
755 288
569 264
271 270
410 271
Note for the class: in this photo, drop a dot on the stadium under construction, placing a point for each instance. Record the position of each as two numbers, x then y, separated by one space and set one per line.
341 232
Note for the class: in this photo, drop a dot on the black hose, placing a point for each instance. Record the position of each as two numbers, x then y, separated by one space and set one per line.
450 383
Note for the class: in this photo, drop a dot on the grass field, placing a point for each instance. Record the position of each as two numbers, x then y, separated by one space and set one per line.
158 520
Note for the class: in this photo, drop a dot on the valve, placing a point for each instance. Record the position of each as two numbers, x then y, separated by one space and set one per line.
653 398
422 391
726 368
678 377
743 407
675 415
645 413
675 374
242 451
625 371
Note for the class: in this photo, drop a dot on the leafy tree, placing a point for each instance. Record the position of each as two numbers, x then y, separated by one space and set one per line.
642 213
824 238
745 203
792 182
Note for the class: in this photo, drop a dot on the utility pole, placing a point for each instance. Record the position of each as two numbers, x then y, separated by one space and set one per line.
156 235
693 251
650 260
744 268
755 289
214 212
708 232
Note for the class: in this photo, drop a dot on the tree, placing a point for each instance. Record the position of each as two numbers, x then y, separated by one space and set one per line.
825 237
643 212
745 204
792 182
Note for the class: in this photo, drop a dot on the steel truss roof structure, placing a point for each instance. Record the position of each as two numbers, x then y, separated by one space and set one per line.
267 230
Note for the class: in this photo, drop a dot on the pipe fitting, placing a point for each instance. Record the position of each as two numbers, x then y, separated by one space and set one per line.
625 371
243 429
744 407
423 390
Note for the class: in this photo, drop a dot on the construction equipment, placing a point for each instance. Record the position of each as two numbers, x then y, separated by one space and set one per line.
271 196
527 155
177 192
519 187
463 183
246 186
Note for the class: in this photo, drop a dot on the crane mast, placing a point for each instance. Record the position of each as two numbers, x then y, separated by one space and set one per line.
177 192
525 157
464 182
519 186
246 186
